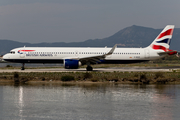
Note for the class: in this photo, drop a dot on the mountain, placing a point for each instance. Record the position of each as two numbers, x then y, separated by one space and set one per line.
133 36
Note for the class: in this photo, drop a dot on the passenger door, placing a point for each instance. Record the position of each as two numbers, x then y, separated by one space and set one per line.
147 54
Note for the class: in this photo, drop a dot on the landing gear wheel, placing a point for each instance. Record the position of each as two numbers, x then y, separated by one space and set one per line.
89 68
22 68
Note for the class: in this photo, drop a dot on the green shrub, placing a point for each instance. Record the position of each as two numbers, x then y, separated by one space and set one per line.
159 75
67 78
43 79
8 66
136 75
94 80
87 75
16 75
143 77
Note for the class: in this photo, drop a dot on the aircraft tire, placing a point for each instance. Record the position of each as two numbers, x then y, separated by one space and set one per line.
22 68
89 68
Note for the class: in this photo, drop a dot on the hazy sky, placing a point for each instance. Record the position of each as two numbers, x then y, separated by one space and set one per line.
36 21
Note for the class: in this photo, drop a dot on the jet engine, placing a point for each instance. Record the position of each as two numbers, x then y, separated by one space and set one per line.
71 64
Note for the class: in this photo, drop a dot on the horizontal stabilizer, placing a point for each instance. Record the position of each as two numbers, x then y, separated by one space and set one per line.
172 52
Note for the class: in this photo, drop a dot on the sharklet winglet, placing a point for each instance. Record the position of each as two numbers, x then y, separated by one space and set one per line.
112 50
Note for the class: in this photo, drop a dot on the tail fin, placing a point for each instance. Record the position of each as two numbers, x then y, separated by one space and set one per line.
163 40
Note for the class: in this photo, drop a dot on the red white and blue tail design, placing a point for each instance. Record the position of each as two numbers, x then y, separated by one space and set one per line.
163 40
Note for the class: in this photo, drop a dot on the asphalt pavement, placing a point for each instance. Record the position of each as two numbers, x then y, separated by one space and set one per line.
124 69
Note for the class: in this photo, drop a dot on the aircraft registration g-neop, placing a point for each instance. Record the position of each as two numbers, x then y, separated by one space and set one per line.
73 57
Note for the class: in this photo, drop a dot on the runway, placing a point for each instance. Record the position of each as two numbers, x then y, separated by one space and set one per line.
124 69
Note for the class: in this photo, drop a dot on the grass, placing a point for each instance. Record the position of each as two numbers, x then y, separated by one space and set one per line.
121 77
67 78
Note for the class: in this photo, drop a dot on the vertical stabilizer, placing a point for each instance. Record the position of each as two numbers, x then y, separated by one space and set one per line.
163 40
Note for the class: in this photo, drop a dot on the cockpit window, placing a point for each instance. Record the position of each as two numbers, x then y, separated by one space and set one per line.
12 52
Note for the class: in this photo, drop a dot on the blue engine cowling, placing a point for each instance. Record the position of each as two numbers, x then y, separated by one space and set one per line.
71 64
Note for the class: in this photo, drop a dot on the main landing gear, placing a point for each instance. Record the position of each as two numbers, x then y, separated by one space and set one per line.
22 68
89 68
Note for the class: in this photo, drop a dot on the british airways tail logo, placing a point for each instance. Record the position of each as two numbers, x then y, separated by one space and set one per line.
159 47
166 40
168 32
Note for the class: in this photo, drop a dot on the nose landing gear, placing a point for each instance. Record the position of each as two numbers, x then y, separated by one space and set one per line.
22 68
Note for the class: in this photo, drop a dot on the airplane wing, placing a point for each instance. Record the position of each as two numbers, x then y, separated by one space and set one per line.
93 59
98 58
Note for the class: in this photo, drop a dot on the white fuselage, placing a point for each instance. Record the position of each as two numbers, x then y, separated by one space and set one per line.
58 54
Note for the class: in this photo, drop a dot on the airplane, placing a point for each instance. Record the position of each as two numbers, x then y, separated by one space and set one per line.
73 57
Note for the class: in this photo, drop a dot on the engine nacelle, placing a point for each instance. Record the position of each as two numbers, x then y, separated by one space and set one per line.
71 64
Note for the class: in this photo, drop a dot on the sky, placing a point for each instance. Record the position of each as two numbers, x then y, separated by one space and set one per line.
37 21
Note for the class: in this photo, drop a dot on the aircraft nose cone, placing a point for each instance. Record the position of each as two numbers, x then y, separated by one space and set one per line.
5 57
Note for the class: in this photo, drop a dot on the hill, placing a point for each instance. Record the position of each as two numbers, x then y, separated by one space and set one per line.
133 36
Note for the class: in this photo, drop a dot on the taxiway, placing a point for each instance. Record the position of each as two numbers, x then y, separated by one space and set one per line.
124 69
